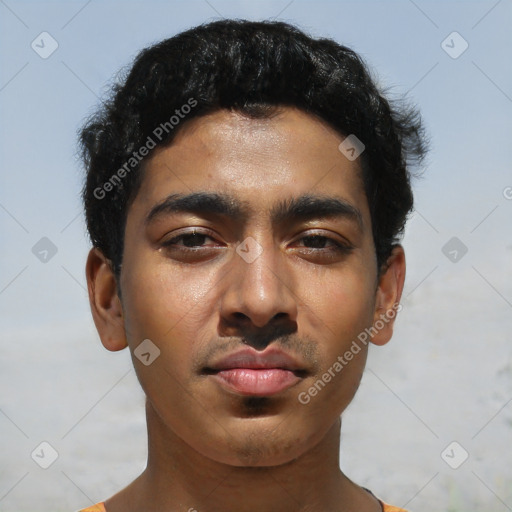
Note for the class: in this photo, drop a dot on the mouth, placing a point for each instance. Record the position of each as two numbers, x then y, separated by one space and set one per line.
251 373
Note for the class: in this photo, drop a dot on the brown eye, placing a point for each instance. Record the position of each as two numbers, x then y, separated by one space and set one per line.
323 242
316 241
190 240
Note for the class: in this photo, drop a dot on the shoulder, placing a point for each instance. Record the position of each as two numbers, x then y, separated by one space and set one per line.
99 507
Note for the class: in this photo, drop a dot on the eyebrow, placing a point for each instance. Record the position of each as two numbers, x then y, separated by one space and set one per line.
301 208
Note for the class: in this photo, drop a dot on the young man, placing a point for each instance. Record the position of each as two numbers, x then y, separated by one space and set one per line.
246 189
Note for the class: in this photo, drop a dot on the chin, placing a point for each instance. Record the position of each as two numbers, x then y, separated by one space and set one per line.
258 445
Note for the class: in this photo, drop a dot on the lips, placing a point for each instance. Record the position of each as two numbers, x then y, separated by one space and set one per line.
248 372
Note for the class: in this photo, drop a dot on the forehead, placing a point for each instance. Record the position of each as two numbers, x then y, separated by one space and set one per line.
258 161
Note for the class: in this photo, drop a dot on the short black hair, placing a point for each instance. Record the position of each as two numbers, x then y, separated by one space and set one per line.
252 68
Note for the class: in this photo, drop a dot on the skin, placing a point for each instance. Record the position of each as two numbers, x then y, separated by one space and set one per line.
213 450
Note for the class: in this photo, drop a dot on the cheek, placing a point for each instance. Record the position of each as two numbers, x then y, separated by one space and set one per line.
338 310
340 306
172 308
162 300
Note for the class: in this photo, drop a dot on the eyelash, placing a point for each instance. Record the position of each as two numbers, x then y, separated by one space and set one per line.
172 241
338 247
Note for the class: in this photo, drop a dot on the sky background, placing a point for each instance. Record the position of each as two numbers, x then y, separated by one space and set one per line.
448 370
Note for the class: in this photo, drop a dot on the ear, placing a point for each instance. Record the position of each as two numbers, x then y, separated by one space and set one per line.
387 299
106 307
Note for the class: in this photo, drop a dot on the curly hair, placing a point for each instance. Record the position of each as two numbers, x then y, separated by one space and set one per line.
252 68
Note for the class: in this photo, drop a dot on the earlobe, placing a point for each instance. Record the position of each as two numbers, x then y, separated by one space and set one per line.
387 300
104 300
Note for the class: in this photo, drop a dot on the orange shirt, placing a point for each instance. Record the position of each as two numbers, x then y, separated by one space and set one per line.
100 507
390 508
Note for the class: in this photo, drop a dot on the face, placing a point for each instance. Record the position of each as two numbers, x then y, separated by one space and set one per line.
249 263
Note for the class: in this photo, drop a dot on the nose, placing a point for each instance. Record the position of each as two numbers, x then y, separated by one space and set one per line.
258 293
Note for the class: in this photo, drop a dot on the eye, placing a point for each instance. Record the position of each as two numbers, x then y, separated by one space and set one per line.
316 241
188 240
321 244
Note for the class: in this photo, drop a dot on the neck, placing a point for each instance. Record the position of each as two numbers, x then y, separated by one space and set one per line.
177 477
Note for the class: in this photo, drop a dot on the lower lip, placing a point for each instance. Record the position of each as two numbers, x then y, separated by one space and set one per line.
257 382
